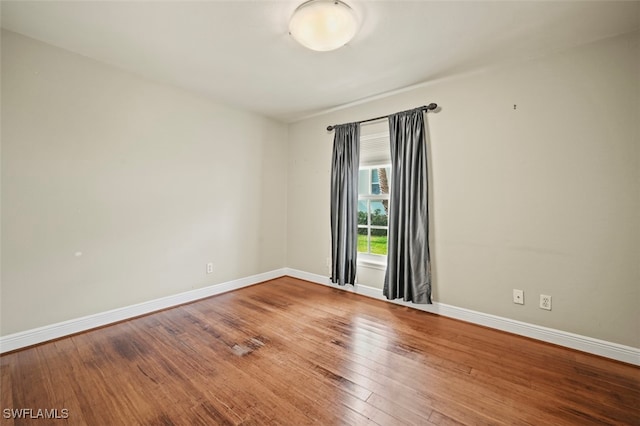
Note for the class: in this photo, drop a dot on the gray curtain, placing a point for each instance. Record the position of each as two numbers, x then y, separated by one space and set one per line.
408 274
344 203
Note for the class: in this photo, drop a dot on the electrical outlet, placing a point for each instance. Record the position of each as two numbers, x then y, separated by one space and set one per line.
328 262
518 297
209 268
545 302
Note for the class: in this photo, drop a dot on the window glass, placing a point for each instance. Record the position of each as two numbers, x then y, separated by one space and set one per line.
384 179
373 211
379 241
363 182
363 240
375 182
379 215
363 212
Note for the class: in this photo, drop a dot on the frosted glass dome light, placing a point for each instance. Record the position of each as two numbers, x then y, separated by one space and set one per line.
323 25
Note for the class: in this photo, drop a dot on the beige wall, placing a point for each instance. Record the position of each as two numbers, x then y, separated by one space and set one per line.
148 182
544 198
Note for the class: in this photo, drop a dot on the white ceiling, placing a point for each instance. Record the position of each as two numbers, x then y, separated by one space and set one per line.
239 52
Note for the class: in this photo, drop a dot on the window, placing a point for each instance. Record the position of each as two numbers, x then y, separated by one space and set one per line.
373 209
373 194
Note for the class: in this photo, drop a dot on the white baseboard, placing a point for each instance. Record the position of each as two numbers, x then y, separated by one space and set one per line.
603 348
34 336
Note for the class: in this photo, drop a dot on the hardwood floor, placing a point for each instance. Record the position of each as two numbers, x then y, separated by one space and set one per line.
291 352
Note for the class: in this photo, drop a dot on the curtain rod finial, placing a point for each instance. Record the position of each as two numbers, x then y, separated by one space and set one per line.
329 128
432 106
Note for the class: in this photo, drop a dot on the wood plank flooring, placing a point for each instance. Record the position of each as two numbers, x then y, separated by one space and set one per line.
294 353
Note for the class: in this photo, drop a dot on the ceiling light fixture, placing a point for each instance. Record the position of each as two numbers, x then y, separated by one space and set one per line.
323 25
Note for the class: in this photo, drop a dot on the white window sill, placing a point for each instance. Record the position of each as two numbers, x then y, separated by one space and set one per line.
373 262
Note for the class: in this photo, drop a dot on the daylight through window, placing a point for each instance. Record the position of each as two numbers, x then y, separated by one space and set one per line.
373 209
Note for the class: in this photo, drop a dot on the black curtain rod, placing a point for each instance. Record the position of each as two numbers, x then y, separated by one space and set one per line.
429 107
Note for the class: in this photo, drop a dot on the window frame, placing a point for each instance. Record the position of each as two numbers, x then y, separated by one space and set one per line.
368 258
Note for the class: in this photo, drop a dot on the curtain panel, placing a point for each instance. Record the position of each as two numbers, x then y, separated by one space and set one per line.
408 274
344 203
